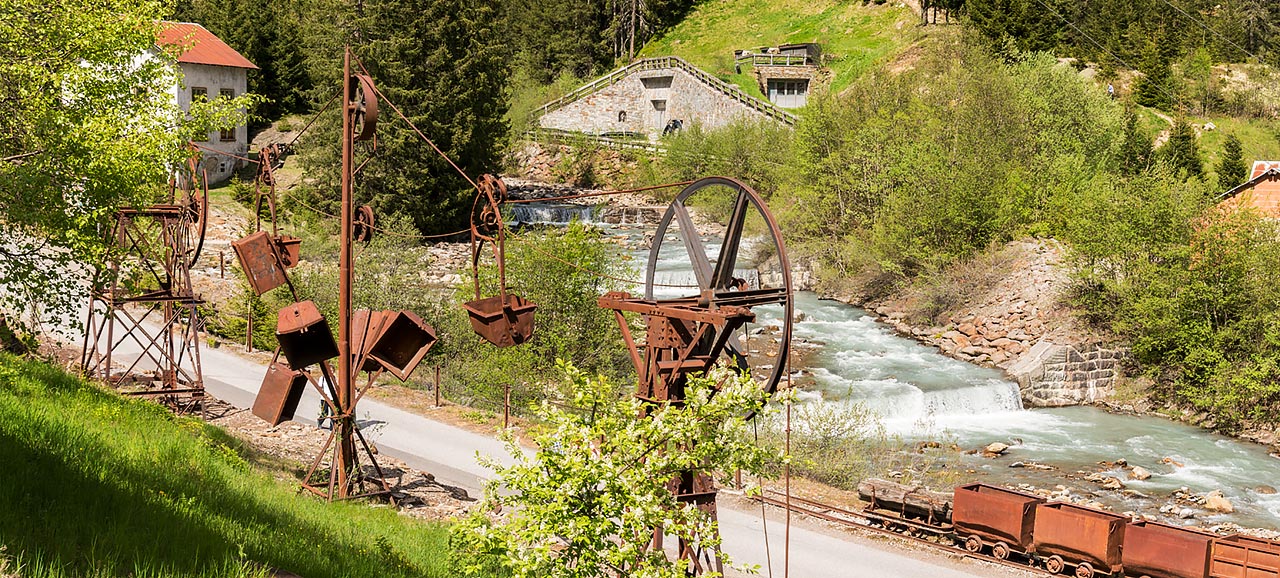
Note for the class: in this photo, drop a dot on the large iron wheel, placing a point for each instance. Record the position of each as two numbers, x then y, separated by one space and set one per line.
717 283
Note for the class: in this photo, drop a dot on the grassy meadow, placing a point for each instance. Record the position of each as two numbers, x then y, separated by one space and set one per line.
94 484
854 37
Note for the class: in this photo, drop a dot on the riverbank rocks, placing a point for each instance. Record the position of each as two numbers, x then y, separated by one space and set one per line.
1139 473
1215 502
1008 311
1265 490
995 449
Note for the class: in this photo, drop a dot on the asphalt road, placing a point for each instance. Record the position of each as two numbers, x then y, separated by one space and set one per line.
816 550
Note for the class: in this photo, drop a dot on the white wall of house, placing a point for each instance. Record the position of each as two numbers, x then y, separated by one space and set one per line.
214 80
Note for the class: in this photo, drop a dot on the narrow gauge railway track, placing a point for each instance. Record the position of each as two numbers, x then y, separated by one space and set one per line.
910 530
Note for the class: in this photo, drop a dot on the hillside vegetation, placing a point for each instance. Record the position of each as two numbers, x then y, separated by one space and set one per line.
855 37
908 172
94 484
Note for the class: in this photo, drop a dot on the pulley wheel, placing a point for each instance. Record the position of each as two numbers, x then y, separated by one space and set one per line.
741 237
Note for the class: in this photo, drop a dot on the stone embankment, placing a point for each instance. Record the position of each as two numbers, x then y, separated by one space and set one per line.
1013 317
552 163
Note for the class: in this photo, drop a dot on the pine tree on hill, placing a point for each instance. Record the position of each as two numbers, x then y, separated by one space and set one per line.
1156 85
1232 169
1135 149
1182 152
444 64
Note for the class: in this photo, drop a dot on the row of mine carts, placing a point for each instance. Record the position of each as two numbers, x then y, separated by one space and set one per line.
1068 538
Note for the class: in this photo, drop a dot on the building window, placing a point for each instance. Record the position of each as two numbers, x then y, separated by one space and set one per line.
200 94
622 116
788 93
227 135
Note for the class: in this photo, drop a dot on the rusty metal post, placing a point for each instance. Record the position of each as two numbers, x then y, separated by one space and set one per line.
506 407
786 540
248 332
344 420
437 385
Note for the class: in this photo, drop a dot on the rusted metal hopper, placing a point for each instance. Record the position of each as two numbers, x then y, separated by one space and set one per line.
260 261
1163 551
394 340
304 335
289 249
503 320
279 395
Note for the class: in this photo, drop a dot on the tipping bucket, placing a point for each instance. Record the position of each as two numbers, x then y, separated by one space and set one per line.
289 249
279 395
502 324
304 335
394 340
260 262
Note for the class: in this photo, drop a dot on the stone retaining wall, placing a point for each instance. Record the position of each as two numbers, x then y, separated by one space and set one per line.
628 106
1052 375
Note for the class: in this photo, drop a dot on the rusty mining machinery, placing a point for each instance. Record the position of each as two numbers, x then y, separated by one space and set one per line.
372 342
144 298
689 335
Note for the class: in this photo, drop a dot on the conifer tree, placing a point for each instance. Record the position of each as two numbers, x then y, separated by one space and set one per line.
1231 168
444 64
1182 152
1155 86
1135 149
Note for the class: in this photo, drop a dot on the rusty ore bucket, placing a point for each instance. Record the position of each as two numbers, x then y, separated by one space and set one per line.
290 250
304 335
279 395
395 340
260 262
504 324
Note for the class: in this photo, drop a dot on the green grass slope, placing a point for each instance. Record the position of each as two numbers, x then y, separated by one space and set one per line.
93 484
855 37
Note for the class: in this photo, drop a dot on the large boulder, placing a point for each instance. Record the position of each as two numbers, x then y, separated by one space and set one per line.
1215 502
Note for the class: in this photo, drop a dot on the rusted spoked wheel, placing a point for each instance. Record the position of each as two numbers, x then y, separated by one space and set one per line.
196 221
1054 564
973 544
1084 570
1000 550
728 275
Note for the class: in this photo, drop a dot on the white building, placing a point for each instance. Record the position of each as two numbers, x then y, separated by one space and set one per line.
209 69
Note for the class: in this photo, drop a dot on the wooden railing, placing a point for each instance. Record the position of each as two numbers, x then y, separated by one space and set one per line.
564 137
774 59
667 62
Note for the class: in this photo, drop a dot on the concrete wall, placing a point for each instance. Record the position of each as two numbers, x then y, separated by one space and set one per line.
1052 375
213 79
686 98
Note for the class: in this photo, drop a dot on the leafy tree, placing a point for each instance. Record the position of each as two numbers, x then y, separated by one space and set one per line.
1182 151
586 503
1232 169
443 64
86 130
564 272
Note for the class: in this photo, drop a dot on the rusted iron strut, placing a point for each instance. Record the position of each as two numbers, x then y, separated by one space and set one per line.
144 297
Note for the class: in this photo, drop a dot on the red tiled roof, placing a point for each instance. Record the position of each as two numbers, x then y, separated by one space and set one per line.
1260 167
202 47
